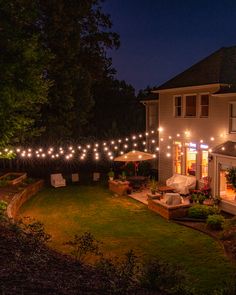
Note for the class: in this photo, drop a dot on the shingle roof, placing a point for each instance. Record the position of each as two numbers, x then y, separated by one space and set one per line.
228 149
219 67
226 89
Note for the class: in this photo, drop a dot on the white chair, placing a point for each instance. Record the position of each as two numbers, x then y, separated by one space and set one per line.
96 176
57 180
75 177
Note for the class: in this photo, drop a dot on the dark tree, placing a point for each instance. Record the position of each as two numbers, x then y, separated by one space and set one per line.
23 87
78 35
117 111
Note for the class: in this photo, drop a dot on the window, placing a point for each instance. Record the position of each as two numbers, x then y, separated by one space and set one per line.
177 157
204 106
204 163
191 106
178 106
232 119
191 159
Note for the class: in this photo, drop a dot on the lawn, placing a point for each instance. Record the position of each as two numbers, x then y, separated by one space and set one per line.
122 224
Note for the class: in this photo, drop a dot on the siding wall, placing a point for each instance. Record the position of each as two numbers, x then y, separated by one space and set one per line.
216 125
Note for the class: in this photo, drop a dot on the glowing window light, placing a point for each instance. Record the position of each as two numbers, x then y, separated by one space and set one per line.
191 144
203 146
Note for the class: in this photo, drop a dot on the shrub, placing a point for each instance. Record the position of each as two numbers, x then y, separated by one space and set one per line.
215 221
3 207
202 211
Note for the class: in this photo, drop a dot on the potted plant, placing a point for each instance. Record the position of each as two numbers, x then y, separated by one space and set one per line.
153 186
111 174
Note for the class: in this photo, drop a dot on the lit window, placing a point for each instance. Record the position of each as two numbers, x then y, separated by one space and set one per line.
178 106
204 105
177 158
191 160
204 164
232 119
191 107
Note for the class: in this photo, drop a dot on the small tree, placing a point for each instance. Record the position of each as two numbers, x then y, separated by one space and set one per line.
231 177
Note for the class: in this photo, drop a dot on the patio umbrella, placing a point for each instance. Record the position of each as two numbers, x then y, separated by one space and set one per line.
134 156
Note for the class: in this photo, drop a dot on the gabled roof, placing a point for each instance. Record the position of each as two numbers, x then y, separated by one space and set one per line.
228 149
219 67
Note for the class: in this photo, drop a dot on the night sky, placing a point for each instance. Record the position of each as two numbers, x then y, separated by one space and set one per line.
161 38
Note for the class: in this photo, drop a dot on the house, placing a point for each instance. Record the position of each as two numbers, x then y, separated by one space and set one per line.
197 122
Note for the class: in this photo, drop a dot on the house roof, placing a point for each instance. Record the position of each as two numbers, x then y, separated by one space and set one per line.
227 148
219 67
226 89
150 96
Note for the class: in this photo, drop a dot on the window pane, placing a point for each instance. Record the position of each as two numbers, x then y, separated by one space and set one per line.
191 105
233 110
204 163
178 106
233 124
204 112
205 100
191 155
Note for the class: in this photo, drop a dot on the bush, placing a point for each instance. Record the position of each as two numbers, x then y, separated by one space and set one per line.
215 221
202 211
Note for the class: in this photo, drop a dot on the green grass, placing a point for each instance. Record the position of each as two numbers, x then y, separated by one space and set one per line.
122 224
